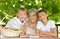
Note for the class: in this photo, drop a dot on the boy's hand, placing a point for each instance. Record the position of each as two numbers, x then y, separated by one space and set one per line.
43 35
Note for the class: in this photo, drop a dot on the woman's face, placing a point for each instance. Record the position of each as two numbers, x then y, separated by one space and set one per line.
32 17
43 16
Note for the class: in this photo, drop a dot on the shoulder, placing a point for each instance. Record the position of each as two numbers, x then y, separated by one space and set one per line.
39 24
38 21
12 21
51 21
13 18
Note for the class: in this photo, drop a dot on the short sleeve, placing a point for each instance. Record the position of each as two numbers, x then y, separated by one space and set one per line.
53 24
11 24
38 25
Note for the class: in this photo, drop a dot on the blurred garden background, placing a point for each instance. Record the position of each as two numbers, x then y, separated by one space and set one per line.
8 8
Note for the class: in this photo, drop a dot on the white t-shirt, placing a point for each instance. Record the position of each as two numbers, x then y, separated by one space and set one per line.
15 23
50 25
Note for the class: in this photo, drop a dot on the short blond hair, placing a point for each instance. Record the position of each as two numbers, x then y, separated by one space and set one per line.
23 9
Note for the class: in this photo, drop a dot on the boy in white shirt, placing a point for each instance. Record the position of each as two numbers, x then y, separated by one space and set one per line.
19 21
45 27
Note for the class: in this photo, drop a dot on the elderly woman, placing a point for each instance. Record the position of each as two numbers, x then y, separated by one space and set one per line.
30 26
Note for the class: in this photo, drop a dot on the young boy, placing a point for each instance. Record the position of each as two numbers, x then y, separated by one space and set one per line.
45 27
19 21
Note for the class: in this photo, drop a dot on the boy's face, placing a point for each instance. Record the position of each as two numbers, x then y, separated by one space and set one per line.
42 16
22 15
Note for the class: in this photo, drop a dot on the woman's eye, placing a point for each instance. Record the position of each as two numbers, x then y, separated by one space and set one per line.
42 14
24 14
39 16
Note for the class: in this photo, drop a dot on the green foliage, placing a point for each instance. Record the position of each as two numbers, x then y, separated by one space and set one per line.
52 7
8 8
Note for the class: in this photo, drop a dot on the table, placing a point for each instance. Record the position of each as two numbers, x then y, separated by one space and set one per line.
30 37
33 38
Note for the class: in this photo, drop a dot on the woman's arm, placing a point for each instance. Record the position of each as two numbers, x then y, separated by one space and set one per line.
37 31
24 29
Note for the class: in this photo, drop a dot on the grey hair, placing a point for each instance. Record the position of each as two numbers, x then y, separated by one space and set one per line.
32 10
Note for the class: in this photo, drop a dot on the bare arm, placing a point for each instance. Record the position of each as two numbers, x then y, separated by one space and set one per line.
39 33
24 29
52 33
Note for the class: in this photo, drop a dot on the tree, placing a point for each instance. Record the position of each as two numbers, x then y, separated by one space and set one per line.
9 8
52 7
